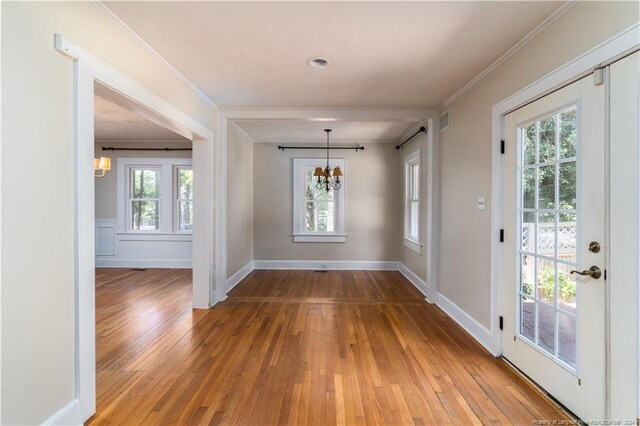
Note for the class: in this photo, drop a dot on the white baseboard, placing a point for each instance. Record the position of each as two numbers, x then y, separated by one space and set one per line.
417 282
326 264
143 263
67 415
466 321
239 276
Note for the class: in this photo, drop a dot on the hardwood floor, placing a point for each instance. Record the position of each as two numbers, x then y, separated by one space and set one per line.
295 347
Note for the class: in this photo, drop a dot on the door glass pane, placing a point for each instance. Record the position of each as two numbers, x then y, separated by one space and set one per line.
546 234
529 188
546 281
529 145
547 146
527 317
546 326
568 133
548 252
567 185
547 187
528 274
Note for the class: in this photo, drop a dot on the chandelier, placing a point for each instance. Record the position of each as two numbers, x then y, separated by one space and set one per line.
328 178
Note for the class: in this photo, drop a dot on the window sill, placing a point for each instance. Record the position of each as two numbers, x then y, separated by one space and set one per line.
153 236
413 245
319 238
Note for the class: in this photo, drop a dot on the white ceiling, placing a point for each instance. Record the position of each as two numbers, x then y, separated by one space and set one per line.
381 54
305 132
113 122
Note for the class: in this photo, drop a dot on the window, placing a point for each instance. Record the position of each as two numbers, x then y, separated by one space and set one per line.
146 188
184 198
144 198
412 202
318 214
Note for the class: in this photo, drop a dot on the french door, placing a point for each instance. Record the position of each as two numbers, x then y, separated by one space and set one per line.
554 249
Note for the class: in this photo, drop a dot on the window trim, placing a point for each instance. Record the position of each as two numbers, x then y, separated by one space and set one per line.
167 167
411 160
299 234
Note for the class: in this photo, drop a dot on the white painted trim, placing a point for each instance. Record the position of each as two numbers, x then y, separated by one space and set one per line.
412 245
233 280
356 265
512 51
67 415
156 236
88 70
466 321
150 50
303 238
433 206
620 44
417 282
143 263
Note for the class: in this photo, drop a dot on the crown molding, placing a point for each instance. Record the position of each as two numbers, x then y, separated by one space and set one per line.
514 49
127 30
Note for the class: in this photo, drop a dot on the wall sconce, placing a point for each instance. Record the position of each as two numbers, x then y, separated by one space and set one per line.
101 164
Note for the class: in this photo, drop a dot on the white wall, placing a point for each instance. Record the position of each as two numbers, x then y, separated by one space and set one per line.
239 199
373 205
38 309
465 147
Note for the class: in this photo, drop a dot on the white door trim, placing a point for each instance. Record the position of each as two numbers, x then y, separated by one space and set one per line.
88 70
617 46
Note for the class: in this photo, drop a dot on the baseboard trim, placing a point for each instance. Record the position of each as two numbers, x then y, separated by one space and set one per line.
467 322
233 280
326 264
417 282
144 263
67 415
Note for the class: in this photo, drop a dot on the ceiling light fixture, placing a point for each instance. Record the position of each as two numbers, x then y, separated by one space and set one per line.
318 62
328 178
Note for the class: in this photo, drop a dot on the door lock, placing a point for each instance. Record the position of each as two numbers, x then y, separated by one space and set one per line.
594 247
593 272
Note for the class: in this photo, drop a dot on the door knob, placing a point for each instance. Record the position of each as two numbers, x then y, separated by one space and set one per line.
593 272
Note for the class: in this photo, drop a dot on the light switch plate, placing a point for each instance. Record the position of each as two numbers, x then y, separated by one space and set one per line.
482 203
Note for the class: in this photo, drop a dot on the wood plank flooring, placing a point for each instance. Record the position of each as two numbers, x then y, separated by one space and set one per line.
294 347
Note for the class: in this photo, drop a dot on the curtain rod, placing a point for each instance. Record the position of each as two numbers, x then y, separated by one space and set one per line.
110 148
422 129
357 148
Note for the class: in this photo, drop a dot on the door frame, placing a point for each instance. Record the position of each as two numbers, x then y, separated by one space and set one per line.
618 46
87 71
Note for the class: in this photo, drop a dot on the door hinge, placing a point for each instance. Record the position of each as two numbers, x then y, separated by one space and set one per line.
501 323
502 146
502 235
579 382
605 274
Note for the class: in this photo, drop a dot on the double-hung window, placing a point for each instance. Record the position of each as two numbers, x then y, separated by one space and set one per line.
412 201
318 214
184 198
155 195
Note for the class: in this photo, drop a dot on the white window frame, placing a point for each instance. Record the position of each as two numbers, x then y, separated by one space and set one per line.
177 199
167 168
410 161
300 234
